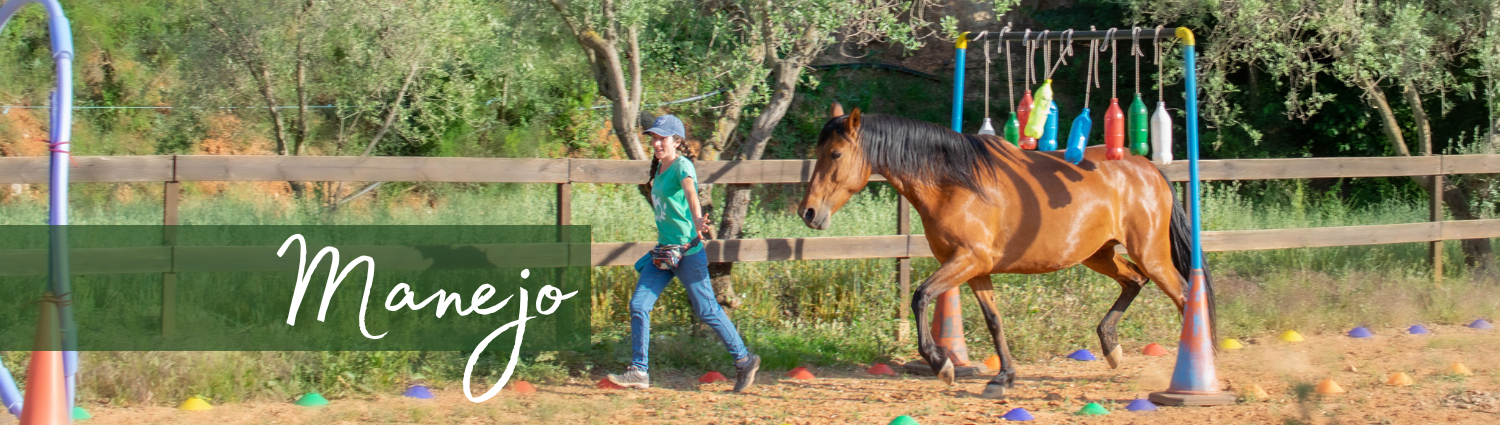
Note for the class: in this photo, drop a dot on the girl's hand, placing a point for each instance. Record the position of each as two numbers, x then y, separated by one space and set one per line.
705 229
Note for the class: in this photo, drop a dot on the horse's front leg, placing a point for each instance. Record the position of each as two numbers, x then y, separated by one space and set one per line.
959 268
984 290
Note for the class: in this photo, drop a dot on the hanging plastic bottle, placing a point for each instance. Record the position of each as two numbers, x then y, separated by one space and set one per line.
1114 132
1041 108
1161 135
1023 113
986 128
1013 130
1078 137
1048 141
1139 127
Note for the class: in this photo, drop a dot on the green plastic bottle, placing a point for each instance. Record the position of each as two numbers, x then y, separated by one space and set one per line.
1013 130
1140 129
1037 124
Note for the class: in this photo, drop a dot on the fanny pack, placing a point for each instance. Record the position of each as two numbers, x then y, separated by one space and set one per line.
666 257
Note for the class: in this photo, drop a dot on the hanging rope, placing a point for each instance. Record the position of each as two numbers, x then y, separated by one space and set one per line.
1091 80
986 73
1135 50
1064 49
1010 86
1161 86
1114 68
1030 46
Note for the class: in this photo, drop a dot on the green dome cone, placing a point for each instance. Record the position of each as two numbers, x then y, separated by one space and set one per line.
312 399
1092 409
80 414
903 420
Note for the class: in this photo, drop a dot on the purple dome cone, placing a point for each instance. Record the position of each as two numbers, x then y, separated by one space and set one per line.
1083 356
1141 405
1418 330
1017 414
1481 324
1360 332
418 391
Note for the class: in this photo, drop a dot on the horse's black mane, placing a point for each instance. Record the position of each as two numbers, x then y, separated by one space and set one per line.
919 151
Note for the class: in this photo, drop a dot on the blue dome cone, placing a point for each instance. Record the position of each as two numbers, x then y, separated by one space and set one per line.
1481 324
1083 356
1017 414
1418 330
418 391
1141 405
1360 332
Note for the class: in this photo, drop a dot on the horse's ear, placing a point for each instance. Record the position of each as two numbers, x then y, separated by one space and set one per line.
853 120
837 111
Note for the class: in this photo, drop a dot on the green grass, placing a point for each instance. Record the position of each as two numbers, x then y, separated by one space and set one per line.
827 313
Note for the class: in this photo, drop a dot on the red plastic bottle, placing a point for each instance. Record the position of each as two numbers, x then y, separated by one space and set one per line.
1023 112
1114 131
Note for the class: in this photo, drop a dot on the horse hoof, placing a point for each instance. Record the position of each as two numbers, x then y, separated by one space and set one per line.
993 391
1114 357
946 373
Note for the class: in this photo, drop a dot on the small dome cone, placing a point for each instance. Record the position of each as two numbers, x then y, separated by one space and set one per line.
1330 387
1257 392
311 400
605 384
710 377
800 373
1018 414
1291 336
1141 405
1083 356
1399 379
1481 324
1418 330
80 414
194 403
1460 369
1231 344
1092 409
522 387
1154 350
881 369
993 362
418 391
1360 332
903 420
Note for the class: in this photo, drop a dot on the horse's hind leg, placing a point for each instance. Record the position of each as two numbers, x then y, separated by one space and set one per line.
984 291
1131 280
958 269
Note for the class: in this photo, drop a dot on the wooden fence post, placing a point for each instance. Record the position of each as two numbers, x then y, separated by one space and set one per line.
169 238
564 204
1435 248
903 271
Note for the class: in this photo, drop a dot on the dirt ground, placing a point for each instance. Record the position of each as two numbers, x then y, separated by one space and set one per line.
1053 390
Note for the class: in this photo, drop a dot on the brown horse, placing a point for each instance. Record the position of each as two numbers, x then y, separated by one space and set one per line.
989 207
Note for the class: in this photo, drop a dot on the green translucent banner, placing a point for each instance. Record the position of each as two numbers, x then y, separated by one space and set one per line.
303 288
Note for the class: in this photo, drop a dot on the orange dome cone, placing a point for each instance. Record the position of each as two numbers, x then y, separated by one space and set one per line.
604 384
993 362
1399 379
1460 369
711 377
521 387
881 369
1257 392
800 373
1154 350
1330 387
46 398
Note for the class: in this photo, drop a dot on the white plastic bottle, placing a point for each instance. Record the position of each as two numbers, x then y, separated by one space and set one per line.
987 128
1161 135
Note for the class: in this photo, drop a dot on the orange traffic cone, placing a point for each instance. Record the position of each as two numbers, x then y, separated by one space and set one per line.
46 397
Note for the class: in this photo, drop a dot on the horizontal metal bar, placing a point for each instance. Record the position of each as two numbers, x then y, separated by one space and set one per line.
1122 34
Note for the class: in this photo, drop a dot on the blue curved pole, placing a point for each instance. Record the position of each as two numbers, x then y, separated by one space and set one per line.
59 138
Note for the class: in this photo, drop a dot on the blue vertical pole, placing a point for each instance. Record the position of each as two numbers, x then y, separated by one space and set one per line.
1190 74
962 47
60 134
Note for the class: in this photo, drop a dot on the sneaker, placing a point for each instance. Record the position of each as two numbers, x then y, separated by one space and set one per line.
744 372
632 378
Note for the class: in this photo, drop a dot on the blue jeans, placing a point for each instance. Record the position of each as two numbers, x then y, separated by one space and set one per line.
692 271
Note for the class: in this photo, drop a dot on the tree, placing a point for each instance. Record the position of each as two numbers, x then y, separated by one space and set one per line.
609 32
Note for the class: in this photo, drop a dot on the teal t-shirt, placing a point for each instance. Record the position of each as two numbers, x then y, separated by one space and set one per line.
674 222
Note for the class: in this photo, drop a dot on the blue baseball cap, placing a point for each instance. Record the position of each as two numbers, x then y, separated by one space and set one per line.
667 125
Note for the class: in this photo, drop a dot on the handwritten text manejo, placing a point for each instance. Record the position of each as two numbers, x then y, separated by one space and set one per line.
408 300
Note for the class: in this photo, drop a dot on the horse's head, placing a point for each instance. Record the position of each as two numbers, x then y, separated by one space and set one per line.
840 171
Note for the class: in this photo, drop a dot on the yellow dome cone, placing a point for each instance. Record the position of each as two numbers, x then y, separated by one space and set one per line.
195 403
1231 344
1330 387
1460 369
1399 379
1291 336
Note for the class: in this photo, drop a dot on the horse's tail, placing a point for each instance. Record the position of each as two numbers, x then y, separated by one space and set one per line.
1182 259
